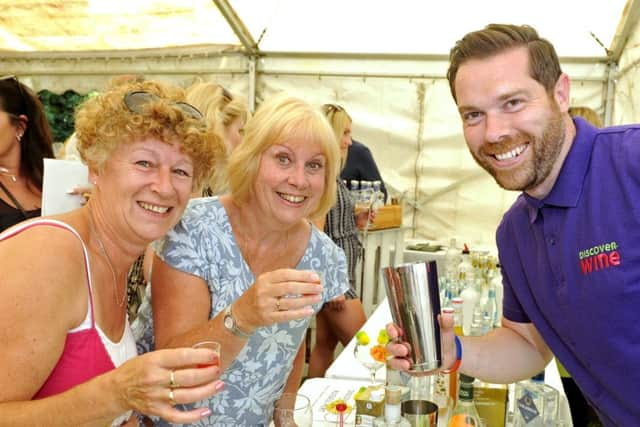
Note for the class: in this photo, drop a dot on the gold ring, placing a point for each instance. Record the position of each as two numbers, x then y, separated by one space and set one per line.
172 401
172 381
278 303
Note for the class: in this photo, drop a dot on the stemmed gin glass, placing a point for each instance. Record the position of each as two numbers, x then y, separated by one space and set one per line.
292 410
372 355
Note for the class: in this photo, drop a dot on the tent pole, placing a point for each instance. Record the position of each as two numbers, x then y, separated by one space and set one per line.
237 26
252 76
630 17
610 93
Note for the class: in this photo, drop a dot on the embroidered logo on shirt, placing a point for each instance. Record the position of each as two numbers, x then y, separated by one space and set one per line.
599 257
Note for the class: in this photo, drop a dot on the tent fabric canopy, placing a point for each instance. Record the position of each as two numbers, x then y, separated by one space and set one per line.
384 63
359 26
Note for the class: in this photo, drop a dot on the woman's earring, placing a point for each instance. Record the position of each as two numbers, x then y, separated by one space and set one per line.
19 137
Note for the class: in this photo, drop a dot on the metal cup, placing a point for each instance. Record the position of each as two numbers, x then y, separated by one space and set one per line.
414 300
420 413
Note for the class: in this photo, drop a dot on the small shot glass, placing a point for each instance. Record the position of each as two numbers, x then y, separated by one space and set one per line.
211 345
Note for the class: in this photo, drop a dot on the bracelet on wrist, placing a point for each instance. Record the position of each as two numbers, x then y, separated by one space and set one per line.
458 361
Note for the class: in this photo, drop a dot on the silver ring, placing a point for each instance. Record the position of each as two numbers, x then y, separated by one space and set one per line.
172 381
172 401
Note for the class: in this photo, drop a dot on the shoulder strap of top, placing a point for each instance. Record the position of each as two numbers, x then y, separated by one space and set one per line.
14 200
55 223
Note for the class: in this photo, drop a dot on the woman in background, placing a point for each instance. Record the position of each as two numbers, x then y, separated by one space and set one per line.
341 318
25 141
227 113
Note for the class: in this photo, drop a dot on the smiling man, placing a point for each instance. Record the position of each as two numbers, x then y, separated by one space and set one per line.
569 244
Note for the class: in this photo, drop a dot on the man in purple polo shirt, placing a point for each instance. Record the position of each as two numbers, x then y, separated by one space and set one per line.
570 244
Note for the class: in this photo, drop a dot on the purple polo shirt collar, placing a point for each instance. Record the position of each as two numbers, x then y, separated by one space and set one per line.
568 186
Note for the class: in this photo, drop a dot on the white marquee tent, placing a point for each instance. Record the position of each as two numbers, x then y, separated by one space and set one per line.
384 62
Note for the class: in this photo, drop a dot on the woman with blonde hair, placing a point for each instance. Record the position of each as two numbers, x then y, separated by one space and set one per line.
248 269
339 319
68 354
227 113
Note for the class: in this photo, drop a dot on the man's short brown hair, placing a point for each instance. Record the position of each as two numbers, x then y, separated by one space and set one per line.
544 66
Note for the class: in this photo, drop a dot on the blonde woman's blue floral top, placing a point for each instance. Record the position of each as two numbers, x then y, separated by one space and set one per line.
202 244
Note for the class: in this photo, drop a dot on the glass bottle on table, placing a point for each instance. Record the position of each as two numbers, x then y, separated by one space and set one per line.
392 410
445 390
465 413
495 281
457 303
378 195
399 379
468 288
536 403
490 307
457 327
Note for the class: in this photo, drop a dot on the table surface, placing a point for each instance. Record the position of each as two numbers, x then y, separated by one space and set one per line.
346 372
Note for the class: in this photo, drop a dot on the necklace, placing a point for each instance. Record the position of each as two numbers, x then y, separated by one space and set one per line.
113 271
4 171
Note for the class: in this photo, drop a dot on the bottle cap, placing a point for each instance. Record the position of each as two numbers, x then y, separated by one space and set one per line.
466 378
392 395
538 377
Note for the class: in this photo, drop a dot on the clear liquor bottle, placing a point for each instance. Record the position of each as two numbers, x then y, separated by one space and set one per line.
458 320
536 403
490 308
465 413
399 379
468 289
392 410
446 384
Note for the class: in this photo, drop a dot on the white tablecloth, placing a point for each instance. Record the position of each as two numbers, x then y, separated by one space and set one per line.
346 367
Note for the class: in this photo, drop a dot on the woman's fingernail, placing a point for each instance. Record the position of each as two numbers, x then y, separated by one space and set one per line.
314 277
219 385
70 191
205 413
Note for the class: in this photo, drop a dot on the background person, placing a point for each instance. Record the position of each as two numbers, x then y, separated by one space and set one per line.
248 269
586 113
228 114
568 245
361 166
25 141
341 318
68 354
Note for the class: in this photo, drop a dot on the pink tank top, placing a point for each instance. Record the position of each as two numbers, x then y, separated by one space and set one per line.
84 355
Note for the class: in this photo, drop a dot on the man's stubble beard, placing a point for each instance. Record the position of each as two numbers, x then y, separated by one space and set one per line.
546 150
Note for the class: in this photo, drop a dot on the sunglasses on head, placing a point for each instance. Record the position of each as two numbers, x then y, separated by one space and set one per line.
226 95
135 102
332 108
